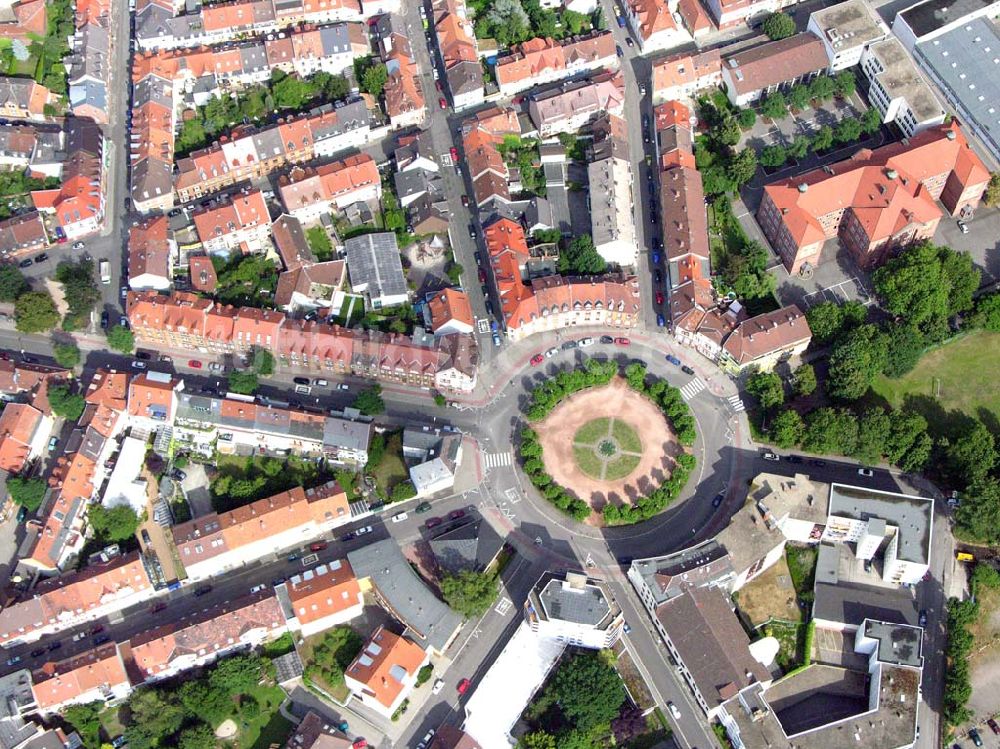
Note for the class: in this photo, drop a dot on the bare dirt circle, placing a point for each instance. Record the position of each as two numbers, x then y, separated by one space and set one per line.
226 730
582 416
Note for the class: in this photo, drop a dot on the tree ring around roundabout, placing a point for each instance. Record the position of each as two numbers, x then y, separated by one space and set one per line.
607 449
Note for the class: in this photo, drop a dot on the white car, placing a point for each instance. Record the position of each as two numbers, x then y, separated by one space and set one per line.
138 364
551 352
866 472
584 342
363 531
257 588
438 686
674 711
322 383
771 456
399 517
343 386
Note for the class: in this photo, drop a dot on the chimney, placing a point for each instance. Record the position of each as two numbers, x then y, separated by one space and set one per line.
891 174
803 187
950 135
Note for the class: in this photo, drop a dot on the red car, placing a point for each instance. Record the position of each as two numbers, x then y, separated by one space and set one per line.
438 86
463 686
319 546
993 726
454 153
194 364
659 297
622 341
442 103
433 522
537 359
456 514
482 276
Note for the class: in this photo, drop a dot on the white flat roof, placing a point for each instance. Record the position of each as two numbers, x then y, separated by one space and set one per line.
505 690
123 487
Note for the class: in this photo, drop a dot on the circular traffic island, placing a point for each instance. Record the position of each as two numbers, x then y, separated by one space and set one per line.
607 449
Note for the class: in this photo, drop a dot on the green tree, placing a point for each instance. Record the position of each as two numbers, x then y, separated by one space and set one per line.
154 714
111 524
848 130
369 401
79 291
786 429
28 493
823 139
906 344
822 87
587 690
830 430
66 354
778 26
874 429
238 674
855 362
403 491
987 314
799 97
871 121
767 388
799 148
86 720
121 339
65 403
728 130
774 106
198 698
746 119
977 518
263 362
992 195
844 84
972 455
580 258
469 593
12 283
334 87
575 23
290 91
244 383
35 312
773 156
745 271
198 736
825 320
926 283
804 379
537 740
742 166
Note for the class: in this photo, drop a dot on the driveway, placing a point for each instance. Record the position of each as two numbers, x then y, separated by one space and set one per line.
195 486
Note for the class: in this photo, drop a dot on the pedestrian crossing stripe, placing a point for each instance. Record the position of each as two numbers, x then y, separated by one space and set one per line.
497 460
736 402
692 389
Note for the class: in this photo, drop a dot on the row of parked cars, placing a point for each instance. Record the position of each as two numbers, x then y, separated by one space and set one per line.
582 343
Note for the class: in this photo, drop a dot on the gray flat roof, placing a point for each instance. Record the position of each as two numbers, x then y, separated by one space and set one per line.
852 21
703 564
373 262
927 17
912 516
900 78
579 604
967 56
407 596
852 603
899 644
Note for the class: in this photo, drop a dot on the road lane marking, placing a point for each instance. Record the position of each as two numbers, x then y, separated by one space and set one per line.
692 389
497 460
503 606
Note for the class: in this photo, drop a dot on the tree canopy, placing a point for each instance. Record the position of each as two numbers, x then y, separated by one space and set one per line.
778 26
66 354
470 593
12 283
587 690
112 524
35 312
369 401
244 383
79 290
121 339
66 403
28 493
856 361
580 258
767 388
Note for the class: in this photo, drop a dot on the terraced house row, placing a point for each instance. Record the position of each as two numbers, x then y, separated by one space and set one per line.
186 321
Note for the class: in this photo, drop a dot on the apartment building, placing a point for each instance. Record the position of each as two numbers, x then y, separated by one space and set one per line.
897 89
654 25
458 52
405 103
220 542
450 312
69 600
23 98
310 192
901 184
728 14
680 76
313 49
24 433
28 147
151 250
22 235
570 106
611 195
205 636
235 223
751 74
88 72
96 675
574 609
321 597
385 671
310 286
541 60
766 340
846 30
189 322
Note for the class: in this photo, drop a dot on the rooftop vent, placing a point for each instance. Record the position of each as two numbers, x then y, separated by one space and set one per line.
950 135
891 173
803 187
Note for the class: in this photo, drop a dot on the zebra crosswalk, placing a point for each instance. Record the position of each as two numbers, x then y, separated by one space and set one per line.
736 403
497 460
692 389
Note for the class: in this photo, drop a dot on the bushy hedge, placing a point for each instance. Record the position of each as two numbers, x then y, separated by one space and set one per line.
548 395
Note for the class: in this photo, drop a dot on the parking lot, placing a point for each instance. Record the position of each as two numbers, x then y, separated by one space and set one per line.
982 241
836 279
806 122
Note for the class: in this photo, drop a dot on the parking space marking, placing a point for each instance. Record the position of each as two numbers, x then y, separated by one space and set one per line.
503 606
839 294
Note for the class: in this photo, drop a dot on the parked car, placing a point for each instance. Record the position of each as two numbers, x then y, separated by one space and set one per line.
318 546
438 686
674 712
42 257
13 660
454 154
363 530
659 297
622 341
606 339
52 443
687 370
157 608
194 364
551 352
177 474
442 103
866 472
399 517
203 590
423 507
718 499
278 581
432 522
322 383
54 646
673 359
37 652
976 738
770 456
658 276
585 342
923 623
964 228
465 201
463 686
300 380
27 262
105 320
22 514
97 630
258 588
629 42
78 245
138 364
496 339
661 321
568 345
537 359
994 726
101 639
456 514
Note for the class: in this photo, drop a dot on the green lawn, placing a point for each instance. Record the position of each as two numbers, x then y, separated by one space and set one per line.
270 727
588 461
626 437
959 376
621 467
791 638
592 431
802 569
391 469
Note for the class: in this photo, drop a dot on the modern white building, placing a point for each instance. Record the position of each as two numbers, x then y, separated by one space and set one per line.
933 18
574 609
846 29
897 89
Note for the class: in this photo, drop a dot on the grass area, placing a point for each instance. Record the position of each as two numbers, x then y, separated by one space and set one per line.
588 461
592 431
636 685
110 722
241 480
986 629
621 467
959 376
326 655
391 469
319 243
791 637
770 595
626 437
802 568
270 727
282 646
724 233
